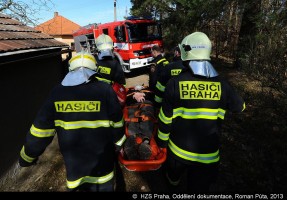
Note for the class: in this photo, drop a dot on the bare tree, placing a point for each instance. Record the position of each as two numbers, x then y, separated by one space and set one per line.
26 11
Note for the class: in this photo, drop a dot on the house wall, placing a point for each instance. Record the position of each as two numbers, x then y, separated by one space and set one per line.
68 39
24 86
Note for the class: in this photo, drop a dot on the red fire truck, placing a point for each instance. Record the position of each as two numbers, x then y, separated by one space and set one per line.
133 39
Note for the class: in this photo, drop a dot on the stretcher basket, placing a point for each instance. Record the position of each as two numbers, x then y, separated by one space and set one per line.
143 165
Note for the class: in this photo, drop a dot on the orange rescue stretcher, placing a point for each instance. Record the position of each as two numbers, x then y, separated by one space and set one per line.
154 162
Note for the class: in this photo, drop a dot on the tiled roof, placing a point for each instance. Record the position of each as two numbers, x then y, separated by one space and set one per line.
59 25
15 36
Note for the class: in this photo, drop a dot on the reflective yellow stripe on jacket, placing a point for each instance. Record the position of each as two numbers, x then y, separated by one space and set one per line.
162 135
117 124
202 158
160 87
165 62
90 179
157 99
88 124
161 60
104 80
199 113
121 141
163 118
194 113
42 132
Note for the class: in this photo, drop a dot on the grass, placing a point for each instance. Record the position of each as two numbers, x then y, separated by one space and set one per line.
253 150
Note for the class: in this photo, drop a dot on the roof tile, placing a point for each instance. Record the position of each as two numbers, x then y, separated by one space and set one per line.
59 25
15 36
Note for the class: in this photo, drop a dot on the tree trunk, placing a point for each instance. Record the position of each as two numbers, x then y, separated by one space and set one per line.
248 28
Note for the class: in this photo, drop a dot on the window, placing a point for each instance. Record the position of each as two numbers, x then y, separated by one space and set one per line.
143 32
106 31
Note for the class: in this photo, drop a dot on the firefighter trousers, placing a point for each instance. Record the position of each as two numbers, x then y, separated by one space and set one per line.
199 176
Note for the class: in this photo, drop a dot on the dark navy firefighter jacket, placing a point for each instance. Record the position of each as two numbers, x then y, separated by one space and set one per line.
192 110
89 123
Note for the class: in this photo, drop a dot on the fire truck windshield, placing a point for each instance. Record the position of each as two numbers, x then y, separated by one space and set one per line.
143 32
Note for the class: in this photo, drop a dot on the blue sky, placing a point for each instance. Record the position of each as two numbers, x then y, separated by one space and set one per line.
85 12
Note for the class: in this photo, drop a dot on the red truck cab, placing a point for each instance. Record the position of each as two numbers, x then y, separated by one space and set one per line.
133 40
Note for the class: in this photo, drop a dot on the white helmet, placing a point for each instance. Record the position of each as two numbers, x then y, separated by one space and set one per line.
104 42
83 59
195 46
105 46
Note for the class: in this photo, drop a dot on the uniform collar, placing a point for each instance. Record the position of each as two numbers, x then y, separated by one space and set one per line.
78 77
159 57
203 68
176 58
105 53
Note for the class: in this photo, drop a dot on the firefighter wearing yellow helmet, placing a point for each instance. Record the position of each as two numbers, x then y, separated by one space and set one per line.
87 117
194 105
82 59
196 46
109 69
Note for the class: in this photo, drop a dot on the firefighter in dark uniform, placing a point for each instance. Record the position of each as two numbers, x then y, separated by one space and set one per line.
172 69
194 104
88 120
157 65
109 69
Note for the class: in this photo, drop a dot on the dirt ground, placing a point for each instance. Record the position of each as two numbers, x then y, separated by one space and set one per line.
253 151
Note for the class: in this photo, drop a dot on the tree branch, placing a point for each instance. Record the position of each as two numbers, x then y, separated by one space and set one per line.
7 6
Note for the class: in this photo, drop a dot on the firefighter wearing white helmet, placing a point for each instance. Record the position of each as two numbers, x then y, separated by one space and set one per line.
105 45
194 104
109 69
87 117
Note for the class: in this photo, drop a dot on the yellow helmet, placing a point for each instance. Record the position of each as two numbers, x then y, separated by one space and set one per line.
82 59
195 46
104 42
